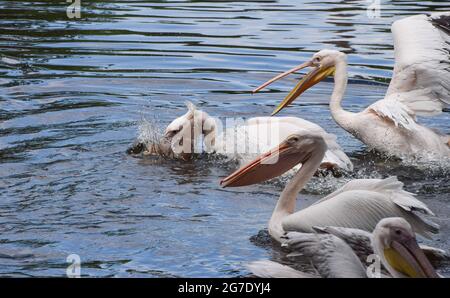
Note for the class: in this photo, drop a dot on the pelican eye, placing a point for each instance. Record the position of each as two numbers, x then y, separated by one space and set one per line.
294 139
398 232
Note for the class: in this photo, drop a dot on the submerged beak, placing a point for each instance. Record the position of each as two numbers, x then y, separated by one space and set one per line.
267 166
409 259
313 77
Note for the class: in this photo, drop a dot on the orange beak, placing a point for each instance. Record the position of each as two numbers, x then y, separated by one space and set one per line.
267 166
313 77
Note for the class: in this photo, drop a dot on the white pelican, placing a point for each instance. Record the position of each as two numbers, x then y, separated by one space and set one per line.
393 241
360 203
329 255
420 87
360 243
242 141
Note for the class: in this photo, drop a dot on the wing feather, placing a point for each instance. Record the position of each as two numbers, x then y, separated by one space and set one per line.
421 79
361 204
396 111
270 269
436 256
331 256
335 154
391 187
358 240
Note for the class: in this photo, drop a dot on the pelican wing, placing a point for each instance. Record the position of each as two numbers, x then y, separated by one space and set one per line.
395 111
436 256
358 240
361 204
391 187
269 269
421 80
335 154
331 256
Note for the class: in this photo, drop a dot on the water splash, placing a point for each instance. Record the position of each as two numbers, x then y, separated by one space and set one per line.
429 164
149 131
149 134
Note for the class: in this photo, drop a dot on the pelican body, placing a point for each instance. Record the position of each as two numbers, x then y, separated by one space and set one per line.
198 132
420 87
361 243
361 203
393 241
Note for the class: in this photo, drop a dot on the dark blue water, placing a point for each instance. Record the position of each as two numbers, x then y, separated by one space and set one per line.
72 93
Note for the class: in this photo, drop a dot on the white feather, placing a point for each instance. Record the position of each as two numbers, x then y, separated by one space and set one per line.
421 79
396 111
361 204
329 255
262 134
358 240
269 269
360 243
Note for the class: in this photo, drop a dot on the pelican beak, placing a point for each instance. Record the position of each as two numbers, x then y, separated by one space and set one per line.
313 77
407 258
282 75
267 166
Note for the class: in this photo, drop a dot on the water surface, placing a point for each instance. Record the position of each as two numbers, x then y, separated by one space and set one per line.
72 93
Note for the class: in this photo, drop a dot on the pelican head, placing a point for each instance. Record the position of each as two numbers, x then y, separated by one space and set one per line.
323 64
395 242
296 148
181 134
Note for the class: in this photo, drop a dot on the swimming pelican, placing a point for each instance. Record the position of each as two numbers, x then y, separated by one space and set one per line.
329 255
242 141
420 87
393 241
360 203
360 243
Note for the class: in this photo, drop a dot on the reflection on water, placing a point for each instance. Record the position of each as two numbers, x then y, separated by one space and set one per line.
73 91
